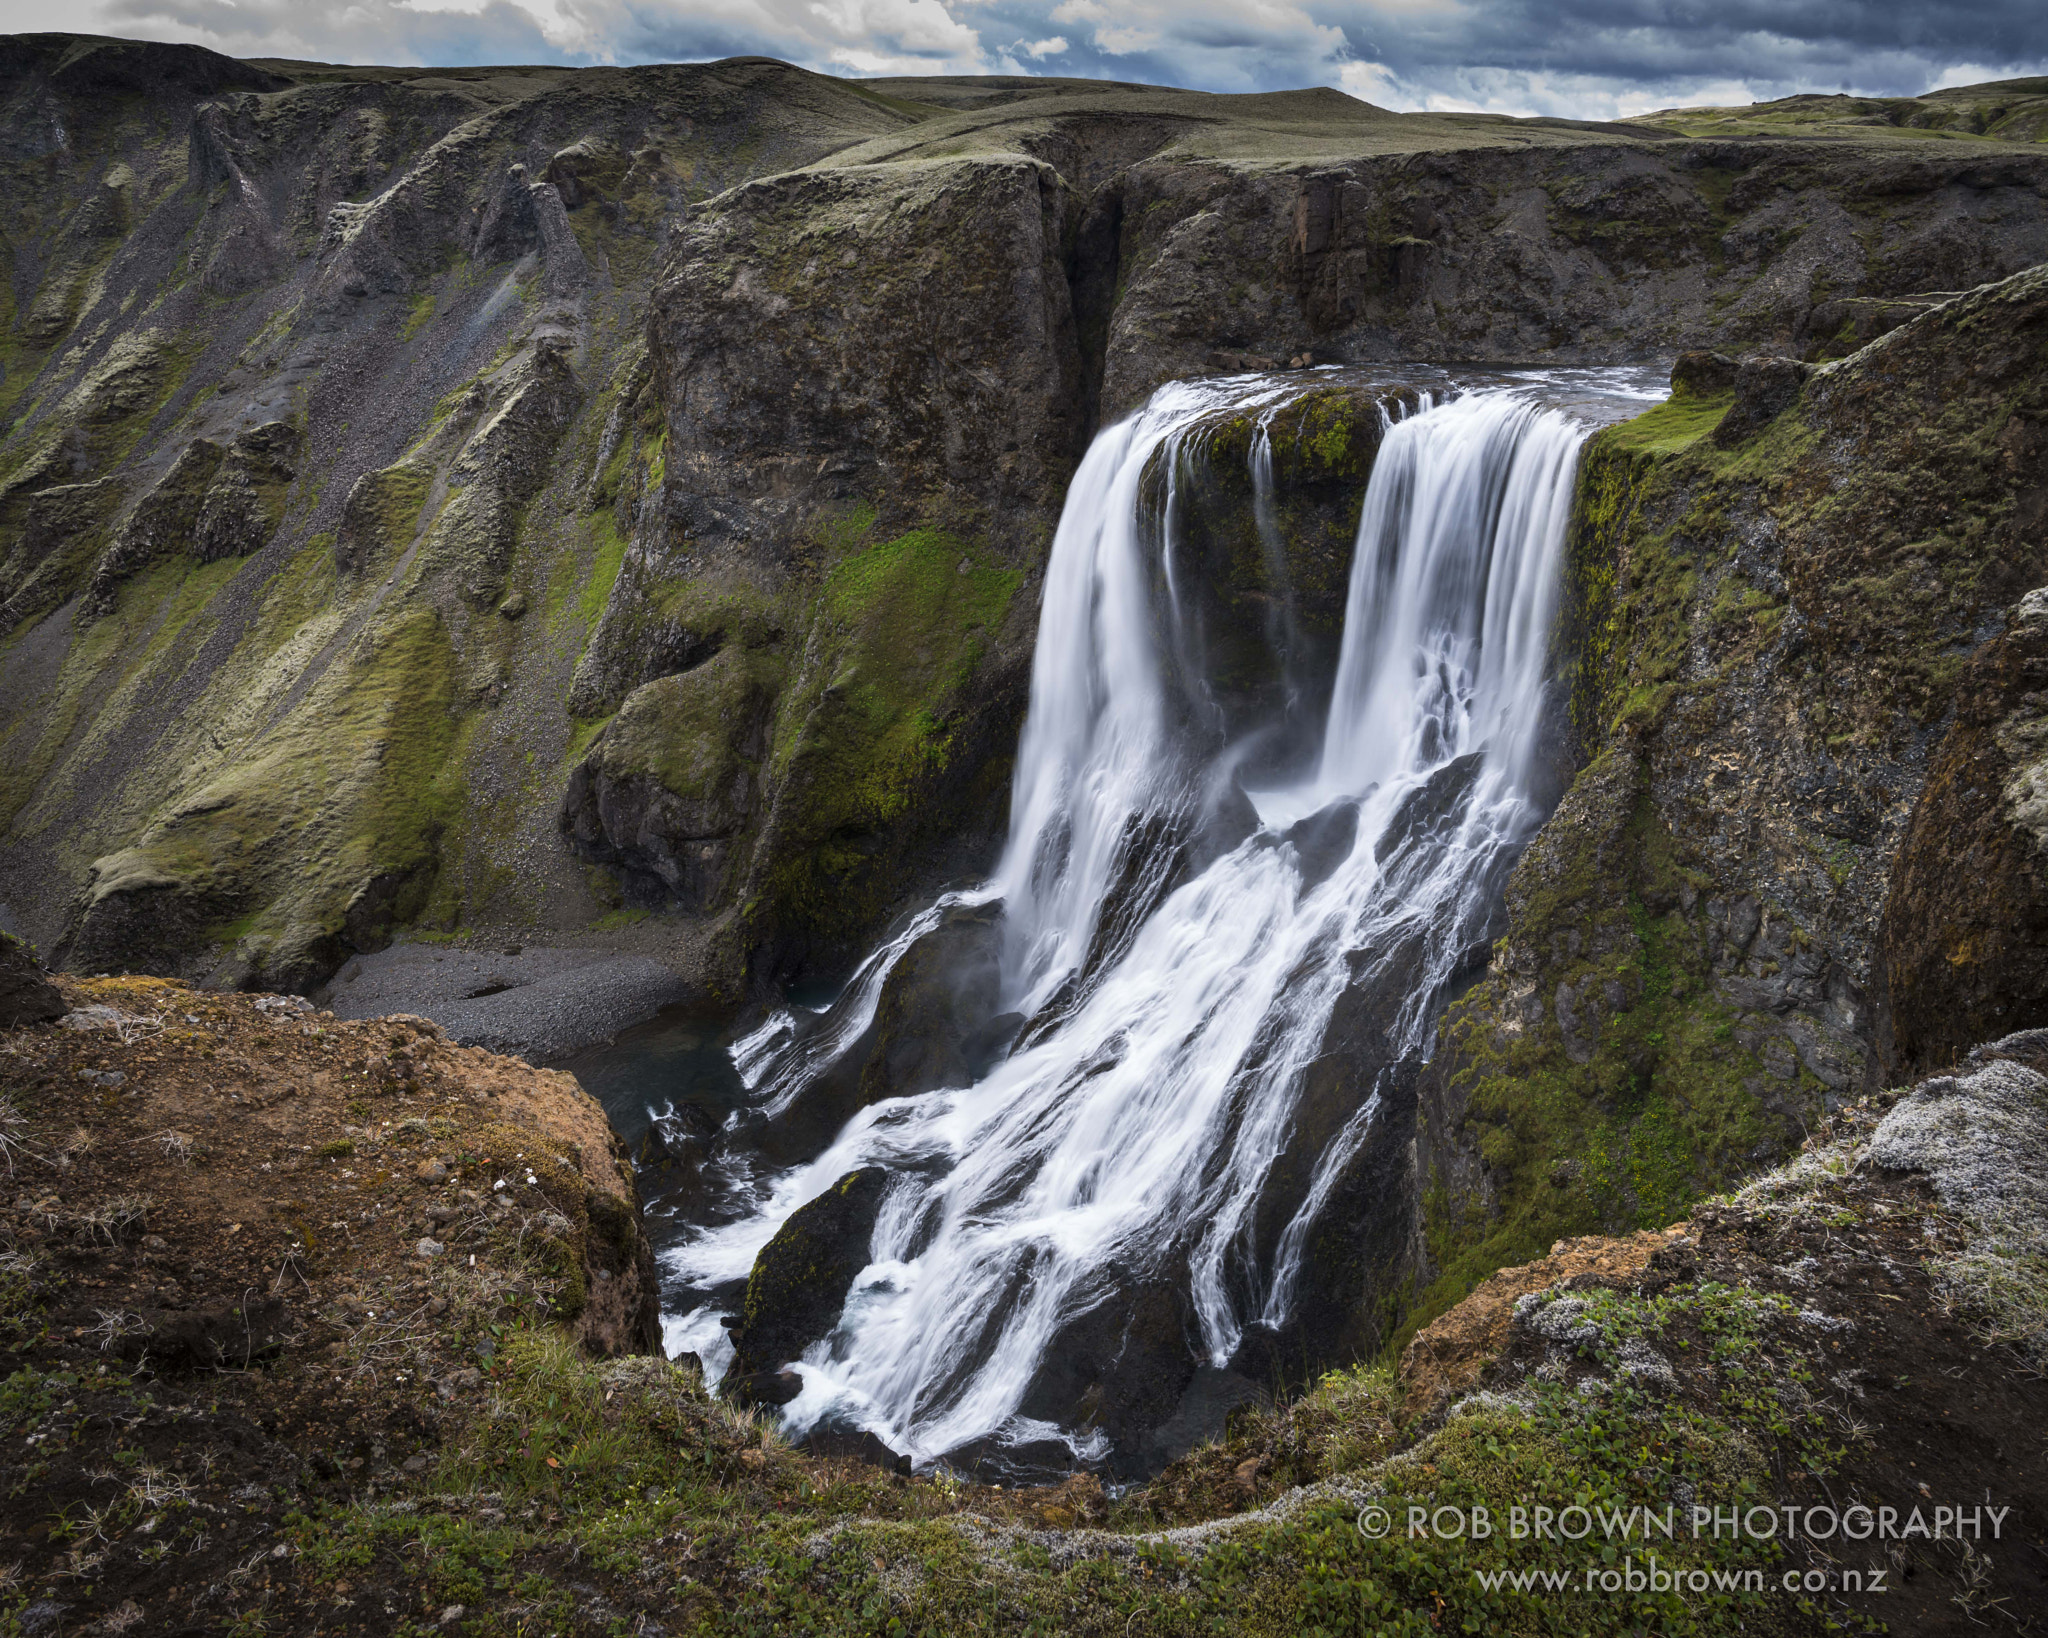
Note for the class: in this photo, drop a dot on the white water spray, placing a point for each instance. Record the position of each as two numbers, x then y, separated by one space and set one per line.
1134 1134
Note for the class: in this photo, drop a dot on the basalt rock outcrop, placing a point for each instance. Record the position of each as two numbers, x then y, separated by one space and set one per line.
1802 857
199 1154
376 440
1962 950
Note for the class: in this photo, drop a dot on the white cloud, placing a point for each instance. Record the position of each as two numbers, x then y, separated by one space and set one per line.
1047 48
1966 74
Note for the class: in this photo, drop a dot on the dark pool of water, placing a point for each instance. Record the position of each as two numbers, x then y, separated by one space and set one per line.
658 1081
677 1057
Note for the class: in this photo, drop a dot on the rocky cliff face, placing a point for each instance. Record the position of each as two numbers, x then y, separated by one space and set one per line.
611 500
1585 249
1803 857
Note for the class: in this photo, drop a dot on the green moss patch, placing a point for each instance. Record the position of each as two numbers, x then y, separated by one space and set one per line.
904 627
1677 423
358 783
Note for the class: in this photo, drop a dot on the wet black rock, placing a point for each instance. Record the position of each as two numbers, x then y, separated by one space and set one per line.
1323 841
1203 1413
800 1281
1122 1368
987 1046
843 1445
941 996
1431 809
934 1026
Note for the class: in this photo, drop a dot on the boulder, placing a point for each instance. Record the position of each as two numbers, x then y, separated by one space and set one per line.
937 1008
26 995
840 1444
1764 389
1323 841
800 1281
1702 374
934 1026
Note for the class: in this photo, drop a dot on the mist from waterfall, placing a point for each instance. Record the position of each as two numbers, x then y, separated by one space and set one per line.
1176 957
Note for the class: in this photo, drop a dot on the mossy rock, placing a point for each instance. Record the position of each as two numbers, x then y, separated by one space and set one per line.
801 1278
897 687
673 779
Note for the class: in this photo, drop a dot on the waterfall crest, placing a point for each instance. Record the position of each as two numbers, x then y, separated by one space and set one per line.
1173 945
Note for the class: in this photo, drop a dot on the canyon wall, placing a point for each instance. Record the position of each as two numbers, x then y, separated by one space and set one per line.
1803 858
609 504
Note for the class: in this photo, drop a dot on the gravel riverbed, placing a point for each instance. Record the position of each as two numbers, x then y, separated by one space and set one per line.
537 1002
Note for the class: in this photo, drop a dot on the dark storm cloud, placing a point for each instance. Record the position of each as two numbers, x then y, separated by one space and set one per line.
1905 47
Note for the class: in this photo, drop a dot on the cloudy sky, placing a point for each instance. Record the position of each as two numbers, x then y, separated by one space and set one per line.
1582 58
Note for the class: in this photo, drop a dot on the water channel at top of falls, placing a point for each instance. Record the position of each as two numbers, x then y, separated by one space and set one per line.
1185 899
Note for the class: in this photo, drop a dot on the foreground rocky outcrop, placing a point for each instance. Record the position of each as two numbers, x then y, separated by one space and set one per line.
1857 1330
175 1144
222 1409
607 503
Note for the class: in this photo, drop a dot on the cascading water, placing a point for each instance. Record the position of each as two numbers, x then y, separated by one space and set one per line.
1172 958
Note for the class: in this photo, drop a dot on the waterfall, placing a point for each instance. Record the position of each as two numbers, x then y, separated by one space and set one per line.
1174 945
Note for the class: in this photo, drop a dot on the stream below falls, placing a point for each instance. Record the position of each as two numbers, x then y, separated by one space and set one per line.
1130 1101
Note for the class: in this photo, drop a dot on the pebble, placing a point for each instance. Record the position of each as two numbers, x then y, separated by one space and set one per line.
429 1248
431 1171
